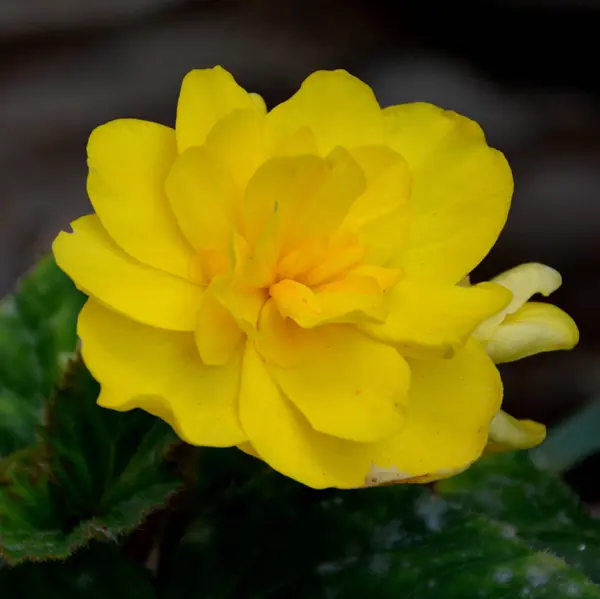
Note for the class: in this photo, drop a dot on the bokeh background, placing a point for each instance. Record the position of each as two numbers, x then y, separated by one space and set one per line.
521 68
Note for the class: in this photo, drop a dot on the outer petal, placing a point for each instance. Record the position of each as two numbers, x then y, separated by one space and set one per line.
452 403
160 371
523 281
533 329
285 440
507 433
345 384
340 109
128 163
435 320
203 196
208 95
461 191
101 269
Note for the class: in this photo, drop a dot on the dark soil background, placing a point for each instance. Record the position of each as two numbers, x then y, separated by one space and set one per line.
526 70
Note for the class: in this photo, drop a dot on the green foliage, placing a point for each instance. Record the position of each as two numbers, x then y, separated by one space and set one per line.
37 340
97 475
531 504
89 472
275 538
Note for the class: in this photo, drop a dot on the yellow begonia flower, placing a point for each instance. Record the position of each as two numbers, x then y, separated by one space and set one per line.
288 281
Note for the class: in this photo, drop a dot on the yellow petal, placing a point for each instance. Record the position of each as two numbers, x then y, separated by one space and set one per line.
307 257
340 109
236 141
281 183
161 372
345 384
524 281
128 163
207 95
461 191
285 440
302 142
324 213
341 253
451 405
434 320
101 269
293 200
332 304
381 215
507 433
533 329
295 300
243 301
384 277
217 332
203 196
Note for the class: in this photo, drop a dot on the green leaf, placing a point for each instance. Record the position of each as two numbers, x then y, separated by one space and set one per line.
37 339
531 503
98 474
72 471
99 572
269 537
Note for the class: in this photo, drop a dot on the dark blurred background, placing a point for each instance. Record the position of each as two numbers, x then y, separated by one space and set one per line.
521 68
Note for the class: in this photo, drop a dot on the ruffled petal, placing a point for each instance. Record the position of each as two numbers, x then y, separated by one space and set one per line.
533 329
345 384
461 191
523 281
338 108
161 372
283 438
435 320
451 405
103 270
208 95
128 163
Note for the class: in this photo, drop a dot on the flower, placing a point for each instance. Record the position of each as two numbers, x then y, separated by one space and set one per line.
287 282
